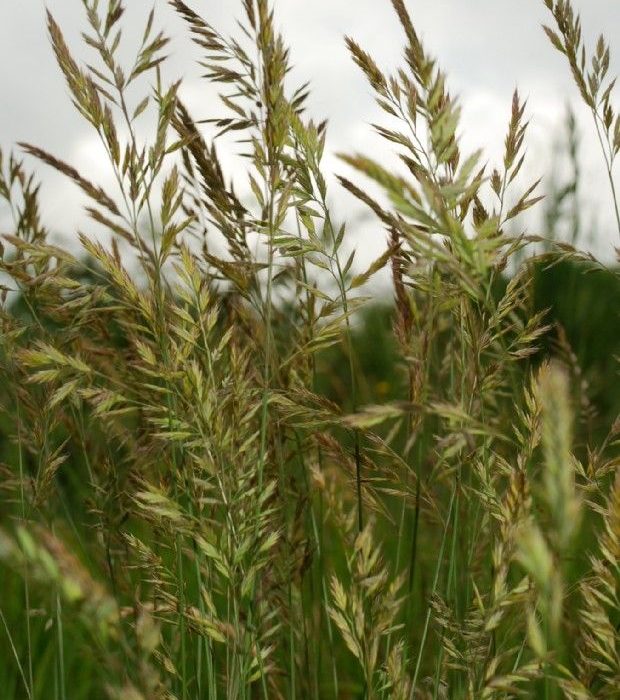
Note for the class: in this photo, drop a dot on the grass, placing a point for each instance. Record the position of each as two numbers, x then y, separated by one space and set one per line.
230 474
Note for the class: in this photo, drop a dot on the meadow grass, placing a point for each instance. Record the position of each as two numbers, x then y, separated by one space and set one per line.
213 487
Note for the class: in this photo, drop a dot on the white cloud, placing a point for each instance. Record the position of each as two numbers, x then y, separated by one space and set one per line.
486 46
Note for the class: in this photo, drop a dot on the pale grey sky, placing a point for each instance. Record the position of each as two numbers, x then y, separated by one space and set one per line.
487 47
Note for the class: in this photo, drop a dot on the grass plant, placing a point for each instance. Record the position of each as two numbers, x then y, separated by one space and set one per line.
227 470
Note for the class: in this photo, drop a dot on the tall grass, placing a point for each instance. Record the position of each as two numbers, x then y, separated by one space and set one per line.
189 510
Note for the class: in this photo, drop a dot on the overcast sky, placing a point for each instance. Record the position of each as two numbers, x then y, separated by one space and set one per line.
487 47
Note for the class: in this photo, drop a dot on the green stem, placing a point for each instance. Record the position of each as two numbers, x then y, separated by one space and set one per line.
433 589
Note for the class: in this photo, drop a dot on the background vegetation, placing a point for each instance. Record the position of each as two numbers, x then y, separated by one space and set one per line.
236 470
